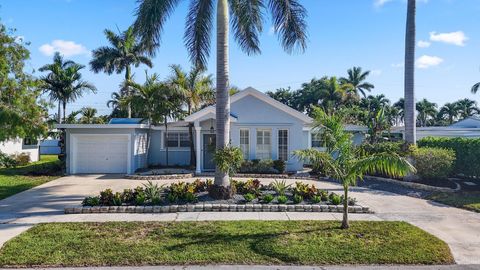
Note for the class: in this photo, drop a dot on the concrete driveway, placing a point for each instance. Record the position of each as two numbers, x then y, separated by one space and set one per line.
45 203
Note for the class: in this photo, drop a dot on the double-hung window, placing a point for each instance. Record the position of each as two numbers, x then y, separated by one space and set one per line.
283 144
177 139
264 144
317 140
245 142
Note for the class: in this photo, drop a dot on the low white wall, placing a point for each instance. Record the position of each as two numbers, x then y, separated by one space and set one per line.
16 146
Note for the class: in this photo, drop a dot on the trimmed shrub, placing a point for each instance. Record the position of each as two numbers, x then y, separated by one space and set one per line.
279 165
21 159
467 153
258 166
367 149
282 199
433 162
7 161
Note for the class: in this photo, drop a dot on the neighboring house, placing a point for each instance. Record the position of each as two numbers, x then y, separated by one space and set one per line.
17 146
49 147
466 128
261 126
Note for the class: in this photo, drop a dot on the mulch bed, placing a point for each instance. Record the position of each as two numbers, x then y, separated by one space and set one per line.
437 183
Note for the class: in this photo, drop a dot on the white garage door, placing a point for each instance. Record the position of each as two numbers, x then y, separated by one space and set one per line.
100 154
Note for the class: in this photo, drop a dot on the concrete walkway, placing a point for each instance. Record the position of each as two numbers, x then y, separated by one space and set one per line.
45 203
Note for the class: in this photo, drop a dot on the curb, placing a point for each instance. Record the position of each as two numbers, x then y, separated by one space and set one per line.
413 185
192 175
205 207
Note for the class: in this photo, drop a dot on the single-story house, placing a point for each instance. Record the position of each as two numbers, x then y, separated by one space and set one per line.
261 126
21 145
466 128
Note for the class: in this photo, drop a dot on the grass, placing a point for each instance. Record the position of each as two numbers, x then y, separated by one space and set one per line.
15 180
469 200
223 242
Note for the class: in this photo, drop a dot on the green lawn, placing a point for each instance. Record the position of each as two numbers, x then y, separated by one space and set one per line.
15 180
223 242
468 200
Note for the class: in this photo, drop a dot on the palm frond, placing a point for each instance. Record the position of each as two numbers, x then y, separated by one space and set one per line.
247 23
104 59
475 88
198 31
289 21
385 163
321 161
151 17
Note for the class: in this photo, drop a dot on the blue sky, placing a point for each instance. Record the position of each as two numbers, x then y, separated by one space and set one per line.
342 34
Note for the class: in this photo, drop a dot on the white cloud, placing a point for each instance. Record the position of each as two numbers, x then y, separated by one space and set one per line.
380 3
376 72
398 65
456 38
65 47
423 44
426 61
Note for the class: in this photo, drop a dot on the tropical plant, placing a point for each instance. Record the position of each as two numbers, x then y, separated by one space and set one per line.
333 95
288 21
449 111
64 81
343 163
426 111
409 92
475 88
228 159
198 91
467 108
280 186
357 79
282 199
123 53
400 106
285 96
88 115
433 163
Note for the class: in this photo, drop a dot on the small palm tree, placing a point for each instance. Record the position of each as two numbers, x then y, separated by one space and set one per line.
247 23
449 111
64 82
357 79
467 108
400 106
342 162
426 110
123 53
88 115
198 91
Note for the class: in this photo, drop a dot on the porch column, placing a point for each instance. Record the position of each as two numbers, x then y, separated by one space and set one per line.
309 143
198 148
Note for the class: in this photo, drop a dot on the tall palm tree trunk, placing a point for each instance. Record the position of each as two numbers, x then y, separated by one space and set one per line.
64 104
59 113
345 223
222 183
127 79
410 127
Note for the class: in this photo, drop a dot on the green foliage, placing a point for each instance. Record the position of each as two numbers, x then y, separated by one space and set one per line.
7 161
368 149
117 199
267 198
282 199
200 185
140 198
152 191
279 165
250 186
20 113
128 196
297 198
228 159
433 163
249 197
335 199
91 201
304 190
21 159
316 198
265 166
280 186
323 195
467 153
106 197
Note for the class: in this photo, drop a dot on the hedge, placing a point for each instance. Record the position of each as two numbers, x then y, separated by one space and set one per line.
467 153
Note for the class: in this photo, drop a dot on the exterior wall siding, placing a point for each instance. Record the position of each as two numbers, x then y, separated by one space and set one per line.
16 146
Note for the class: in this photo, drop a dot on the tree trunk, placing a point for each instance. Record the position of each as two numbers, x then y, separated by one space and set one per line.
64 103
410 126
59 113
345 224
193 160
127 79
221 188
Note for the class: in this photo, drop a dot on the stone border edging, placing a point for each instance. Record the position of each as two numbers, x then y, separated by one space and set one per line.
414 185
191 175
204 207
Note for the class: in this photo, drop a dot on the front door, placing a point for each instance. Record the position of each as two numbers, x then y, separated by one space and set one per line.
209 144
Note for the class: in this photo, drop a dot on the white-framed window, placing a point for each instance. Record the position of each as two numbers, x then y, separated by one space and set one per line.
245 142
317 140
177 139
264 144
283 144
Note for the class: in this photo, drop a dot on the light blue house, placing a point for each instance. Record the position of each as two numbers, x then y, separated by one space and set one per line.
261 126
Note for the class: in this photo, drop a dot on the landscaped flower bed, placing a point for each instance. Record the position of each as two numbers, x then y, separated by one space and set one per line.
250 195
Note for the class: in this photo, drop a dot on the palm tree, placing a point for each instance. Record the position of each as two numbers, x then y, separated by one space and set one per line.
356 78
475 88
123 53
400 106
426 110
409 119
288 21
198 91
341 161
157 102
88 115
64 82
449 111
72 117
376 115
467 108
333 95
